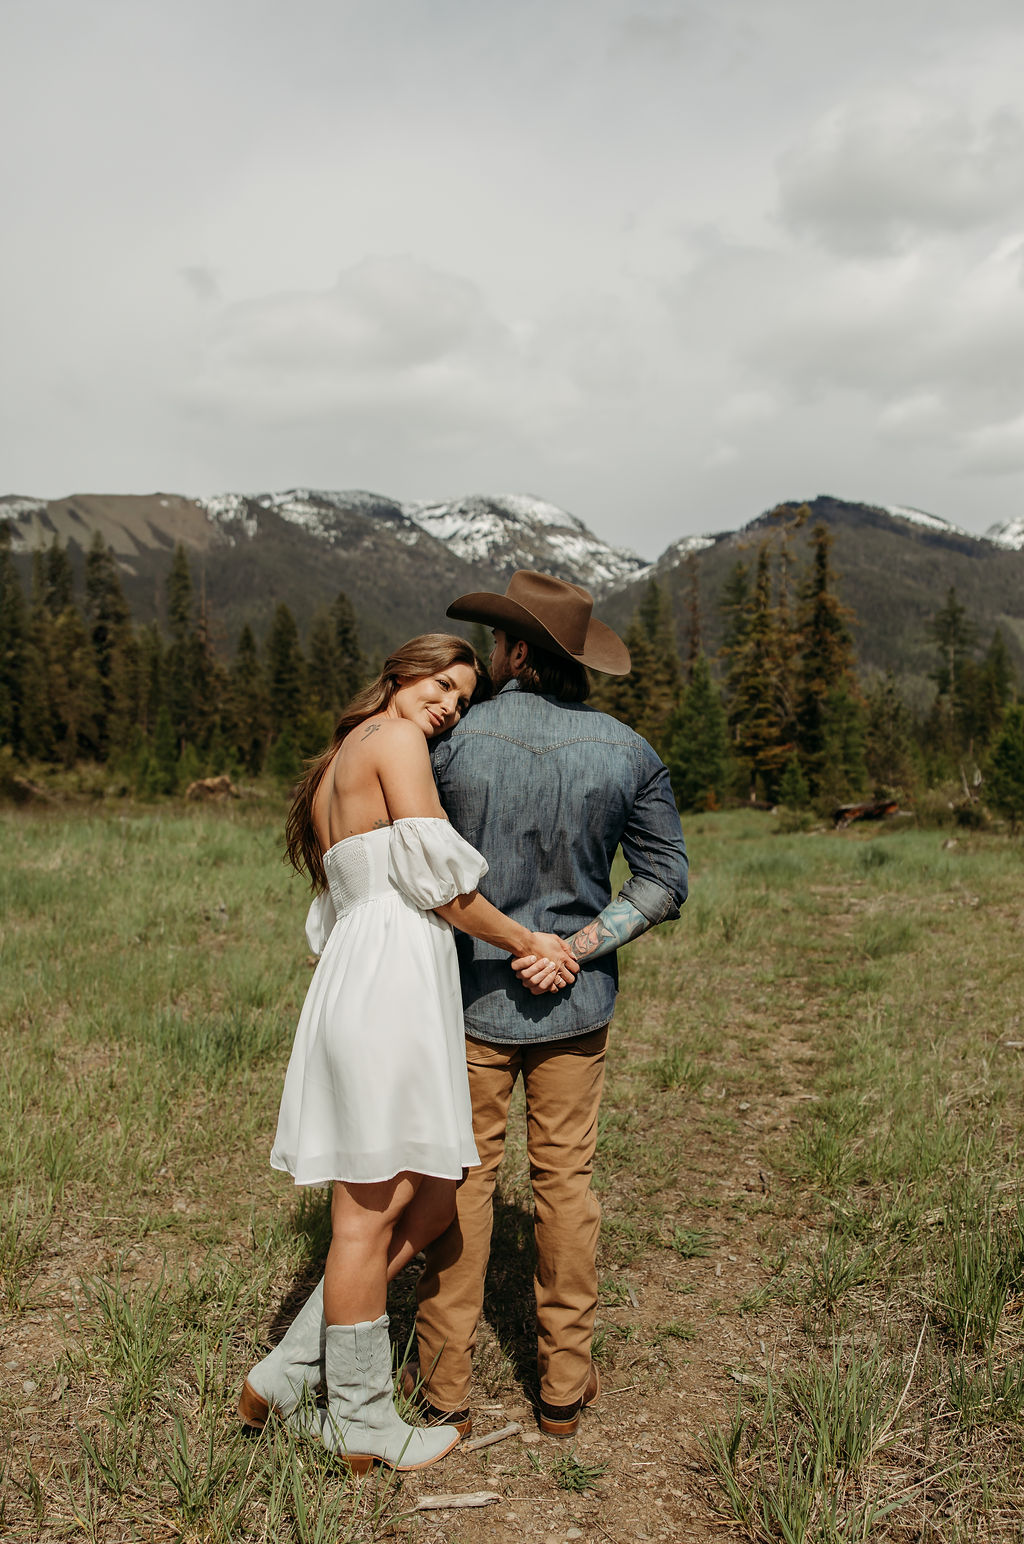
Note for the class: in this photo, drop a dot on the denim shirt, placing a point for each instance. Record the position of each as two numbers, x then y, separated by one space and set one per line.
547 791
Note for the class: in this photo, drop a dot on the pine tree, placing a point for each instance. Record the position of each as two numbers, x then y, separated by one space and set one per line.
955 635
193 683
248 704
179 596
625 696
165 755
286 671
760 713
1005 781
13 646
985 691
178 693
794 793
829 709
151 677
889 739
649 695
58 579
209 682
843 766
999 668
284 760
76 695
697 752
42 669
694 637
349 660
322 671
113 644
734 605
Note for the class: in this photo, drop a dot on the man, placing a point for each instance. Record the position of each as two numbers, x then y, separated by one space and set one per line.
547 789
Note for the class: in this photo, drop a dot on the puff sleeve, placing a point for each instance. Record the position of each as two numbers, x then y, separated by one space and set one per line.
431 863
320 922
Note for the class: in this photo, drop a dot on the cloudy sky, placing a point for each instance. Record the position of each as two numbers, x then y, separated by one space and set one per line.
663 263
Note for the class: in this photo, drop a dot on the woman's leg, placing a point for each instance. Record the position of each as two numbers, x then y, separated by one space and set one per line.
361 1423
375 1231
363 1219
429 1212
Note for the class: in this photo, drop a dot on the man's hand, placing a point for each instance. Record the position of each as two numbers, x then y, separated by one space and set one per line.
551 967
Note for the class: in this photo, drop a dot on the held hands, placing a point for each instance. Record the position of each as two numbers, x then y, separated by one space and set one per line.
549 968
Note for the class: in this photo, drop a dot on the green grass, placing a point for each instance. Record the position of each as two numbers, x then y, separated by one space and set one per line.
831 1014
572 1474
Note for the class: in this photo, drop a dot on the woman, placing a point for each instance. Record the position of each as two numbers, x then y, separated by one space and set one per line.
376 1098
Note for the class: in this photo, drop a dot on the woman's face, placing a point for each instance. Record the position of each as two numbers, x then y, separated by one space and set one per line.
436 702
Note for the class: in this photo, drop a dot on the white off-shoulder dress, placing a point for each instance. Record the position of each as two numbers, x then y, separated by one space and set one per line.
376 1083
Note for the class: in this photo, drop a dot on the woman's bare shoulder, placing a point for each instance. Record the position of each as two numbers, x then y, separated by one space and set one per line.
391 738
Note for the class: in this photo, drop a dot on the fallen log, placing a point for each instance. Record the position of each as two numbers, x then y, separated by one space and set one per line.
872 809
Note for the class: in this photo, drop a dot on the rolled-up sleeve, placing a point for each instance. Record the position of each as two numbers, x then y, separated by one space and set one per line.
653 846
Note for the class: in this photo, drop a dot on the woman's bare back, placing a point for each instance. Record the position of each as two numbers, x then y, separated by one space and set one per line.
380 773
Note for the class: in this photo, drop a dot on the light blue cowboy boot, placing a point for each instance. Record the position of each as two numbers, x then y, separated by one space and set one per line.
361 1424
278 1384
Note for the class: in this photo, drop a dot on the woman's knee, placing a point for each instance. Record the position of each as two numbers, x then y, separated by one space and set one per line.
437 1209
362 1217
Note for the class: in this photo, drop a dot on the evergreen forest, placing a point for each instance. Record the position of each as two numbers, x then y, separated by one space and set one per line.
778 715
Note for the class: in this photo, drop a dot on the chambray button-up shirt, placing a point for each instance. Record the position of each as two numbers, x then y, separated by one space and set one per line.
547 791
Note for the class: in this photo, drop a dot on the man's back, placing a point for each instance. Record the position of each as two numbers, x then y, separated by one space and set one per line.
548 790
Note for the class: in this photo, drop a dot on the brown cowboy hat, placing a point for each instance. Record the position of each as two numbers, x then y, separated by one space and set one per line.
551 613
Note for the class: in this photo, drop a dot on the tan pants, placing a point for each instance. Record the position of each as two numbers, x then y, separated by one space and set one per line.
563 1080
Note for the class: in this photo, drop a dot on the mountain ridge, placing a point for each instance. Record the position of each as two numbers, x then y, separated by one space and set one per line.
401 562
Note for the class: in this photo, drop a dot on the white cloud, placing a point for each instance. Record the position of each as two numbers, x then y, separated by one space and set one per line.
920 416
385 314
665 264
873 176
994 449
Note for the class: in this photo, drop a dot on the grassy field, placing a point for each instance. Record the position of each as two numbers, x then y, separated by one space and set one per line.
813 1241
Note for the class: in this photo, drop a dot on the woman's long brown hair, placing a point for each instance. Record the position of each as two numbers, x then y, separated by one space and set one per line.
422 656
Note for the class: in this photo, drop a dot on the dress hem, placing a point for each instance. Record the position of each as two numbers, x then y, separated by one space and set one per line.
378 1179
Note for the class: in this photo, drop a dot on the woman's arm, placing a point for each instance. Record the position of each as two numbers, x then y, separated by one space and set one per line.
617 924
552 965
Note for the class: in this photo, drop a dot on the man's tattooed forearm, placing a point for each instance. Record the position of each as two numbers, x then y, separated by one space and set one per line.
616 925
590 938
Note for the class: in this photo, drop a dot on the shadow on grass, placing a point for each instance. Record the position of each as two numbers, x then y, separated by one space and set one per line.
509 1305
312 1225
508 1297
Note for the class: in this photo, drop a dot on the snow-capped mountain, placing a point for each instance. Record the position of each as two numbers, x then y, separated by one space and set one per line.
503 532
679 550
1011 534
922 517
321 513
513 531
